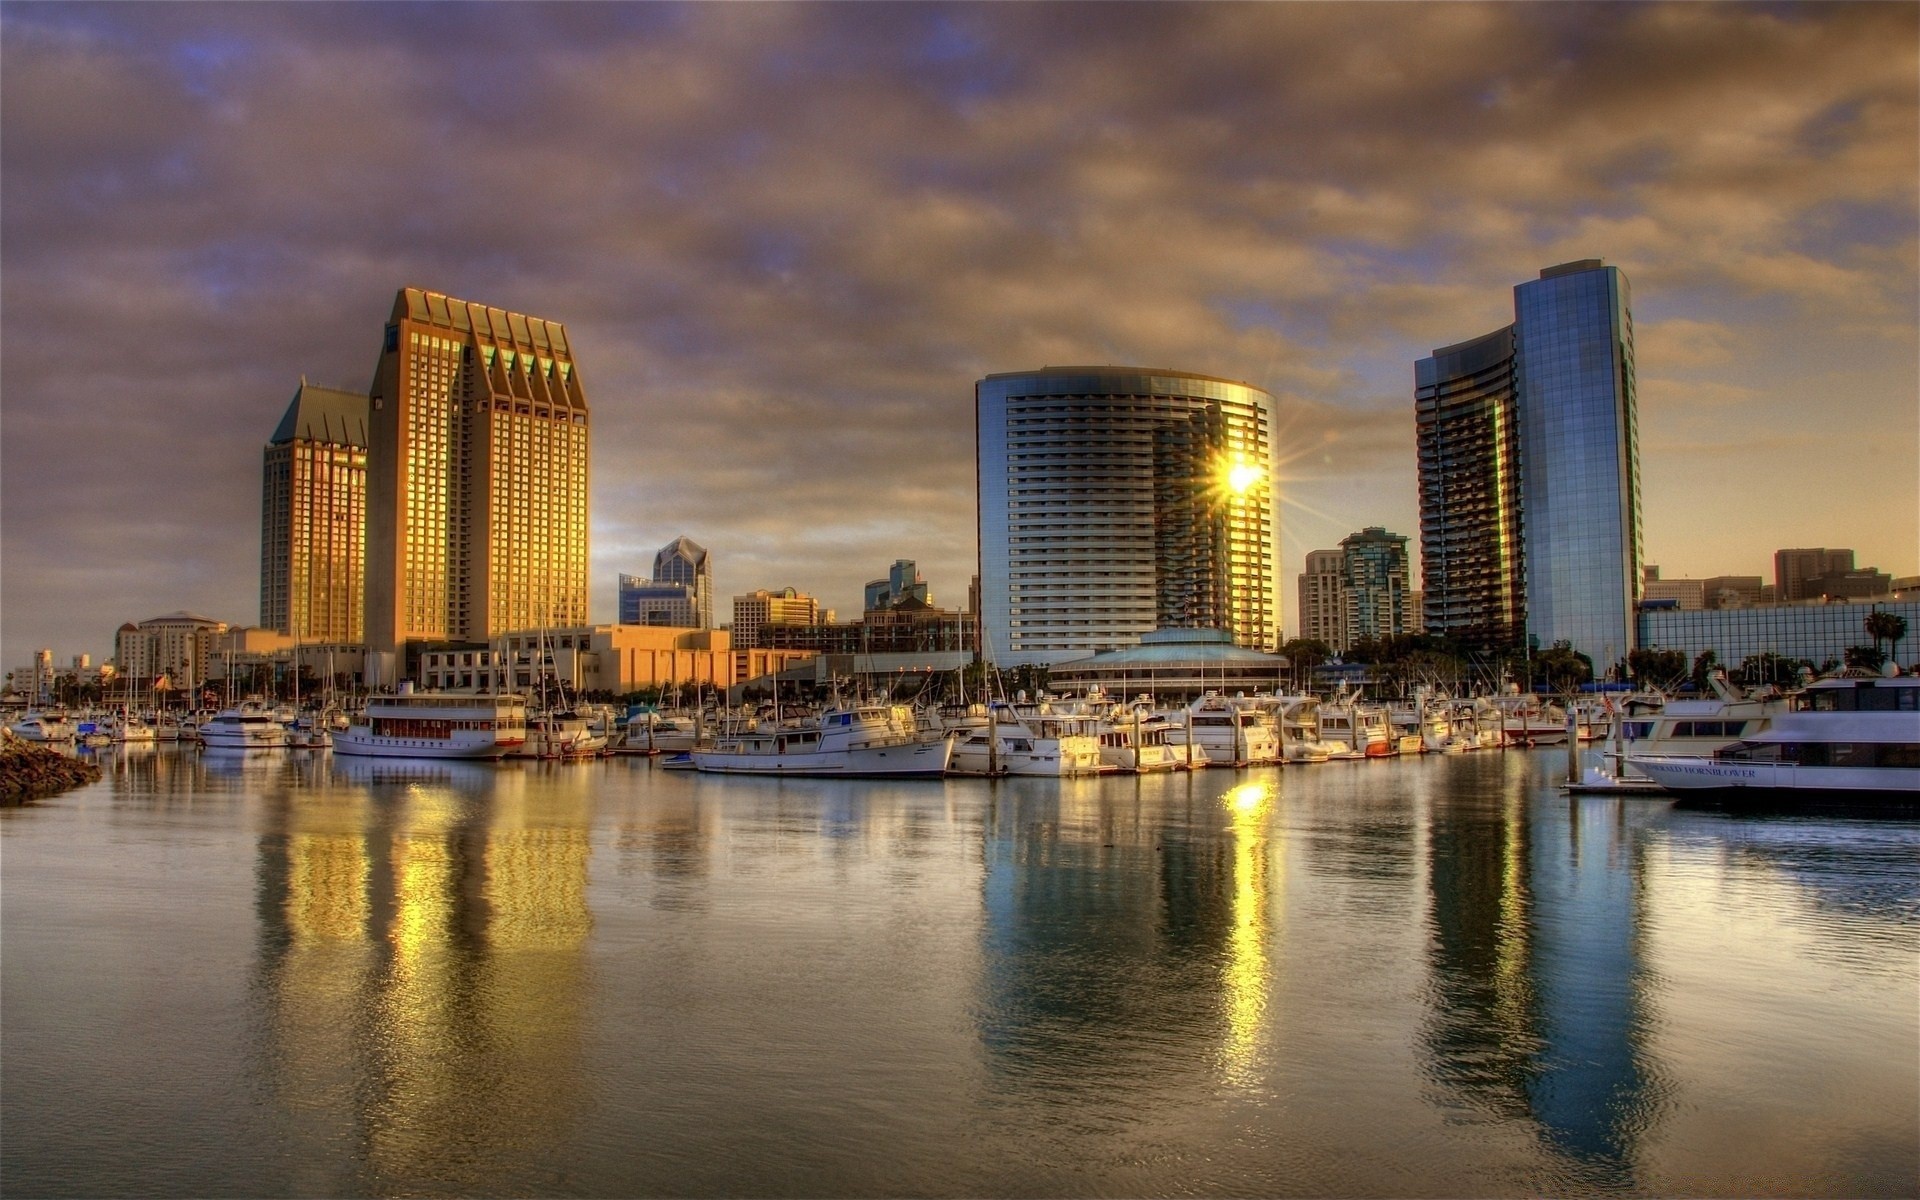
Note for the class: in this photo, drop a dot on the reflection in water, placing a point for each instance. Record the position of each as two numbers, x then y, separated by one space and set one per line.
421 928
1245 980
1126 938
1535 971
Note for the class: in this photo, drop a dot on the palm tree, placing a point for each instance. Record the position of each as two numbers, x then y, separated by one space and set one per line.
1888 627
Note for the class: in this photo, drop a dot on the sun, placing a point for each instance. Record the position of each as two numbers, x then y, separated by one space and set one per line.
1241 478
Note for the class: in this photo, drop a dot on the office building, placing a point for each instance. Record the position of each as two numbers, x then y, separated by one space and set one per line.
476 476
174 652
1812 632
1114 501
903 582
313 518
604 659
1529 471
756 610
1793 568
1373 578
679 594
1323 601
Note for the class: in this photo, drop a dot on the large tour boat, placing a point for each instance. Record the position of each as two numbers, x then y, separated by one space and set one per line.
436 725
1849 741
875 740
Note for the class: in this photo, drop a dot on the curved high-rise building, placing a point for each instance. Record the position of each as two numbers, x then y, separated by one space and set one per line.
1530 472
1115 501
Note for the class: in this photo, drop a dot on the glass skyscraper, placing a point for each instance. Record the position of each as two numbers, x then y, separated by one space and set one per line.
680 593
1530 472
1114 501
476 476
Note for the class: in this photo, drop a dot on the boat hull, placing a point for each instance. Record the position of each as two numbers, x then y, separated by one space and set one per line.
916 760
1719 783
355 743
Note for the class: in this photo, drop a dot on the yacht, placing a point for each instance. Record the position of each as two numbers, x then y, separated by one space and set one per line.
1042 743
1691 728
1138 743
872 740
1351 729
250 726
44 727
1849 739
436 725
1234 733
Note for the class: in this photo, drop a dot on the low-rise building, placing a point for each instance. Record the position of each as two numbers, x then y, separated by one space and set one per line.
1816 632
613 659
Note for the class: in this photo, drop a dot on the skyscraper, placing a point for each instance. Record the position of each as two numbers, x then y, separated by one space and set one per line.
902 582
313 518
680 593
1117 500
1530 473
1373 577
1793 568
476 475
1323 601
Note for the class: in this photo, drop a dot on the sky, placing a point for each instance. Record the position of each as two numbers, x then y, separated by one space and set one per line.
786 240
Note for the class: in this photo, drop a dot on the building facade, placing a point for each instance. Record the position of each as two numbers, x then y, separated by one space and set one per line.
313 518
1817 633
1530 474
1472 578
1793 568
754 611
1373 576
615 659
172 652
902 582
476 475
1323 601
679 593
1114 501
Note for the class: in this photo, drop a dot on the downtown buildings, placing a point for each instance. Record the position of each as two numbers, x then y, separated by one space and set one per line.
1114 501
476 477
679 593
313 518
1529 472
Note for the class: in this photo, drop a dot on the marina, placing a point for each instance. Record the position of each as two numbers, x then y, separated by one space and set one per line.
1422 975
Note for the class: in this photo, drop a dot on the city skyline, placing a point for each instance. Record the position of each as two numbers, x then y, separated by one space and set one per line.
785 274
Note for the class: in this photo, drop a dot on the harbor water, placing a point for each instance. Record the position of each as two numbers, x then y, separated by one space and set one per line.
297 975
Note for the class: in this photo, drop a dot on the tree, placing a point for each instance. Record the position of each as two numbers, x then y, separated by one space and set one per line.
1759 669
1664 669
1887 627
1304 654
1868 658
1564 667
1704 664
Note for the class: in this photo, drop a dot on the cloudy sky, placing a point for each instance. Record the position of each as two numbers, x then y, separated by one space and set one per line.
787 238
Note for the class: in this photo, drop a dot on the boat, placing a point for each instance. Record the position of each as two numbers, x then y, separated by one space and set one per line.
250 725
1850 740
129 728
998 739
561 734
1234 732
436 725
1136 742
874 740
650 732
44 726
1351 729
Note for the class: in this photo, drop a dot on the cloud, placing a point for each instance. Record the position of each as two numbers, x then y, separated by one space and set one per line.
786 239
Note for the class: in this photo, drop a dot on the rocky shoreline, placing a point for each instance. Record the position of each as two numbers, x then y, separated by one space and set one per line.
30 772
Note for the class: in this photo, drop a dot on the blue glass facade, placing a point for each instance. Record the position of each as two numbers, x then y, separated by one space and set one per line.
1579 454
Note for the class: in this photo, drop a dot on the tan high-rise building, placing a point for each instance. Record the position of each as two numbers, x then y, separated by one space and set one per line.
476 476
756 610
1323 599
313 518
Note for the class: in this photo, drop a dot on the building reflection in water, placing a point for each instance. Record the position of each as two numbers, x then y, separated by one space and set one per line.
421 934
1536 1006
1126 940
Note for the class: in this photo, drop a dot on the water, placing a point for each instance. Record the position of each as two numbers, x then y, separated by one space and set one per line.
299 976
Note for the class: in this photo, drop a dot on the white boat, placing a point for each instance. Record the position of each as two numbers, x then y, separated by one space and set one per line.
1849 740
1350 728
1137 743
48 726
248 726
436 725
874 740
129 728
1690 728
1233 732
657 733
560 735
1039 743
